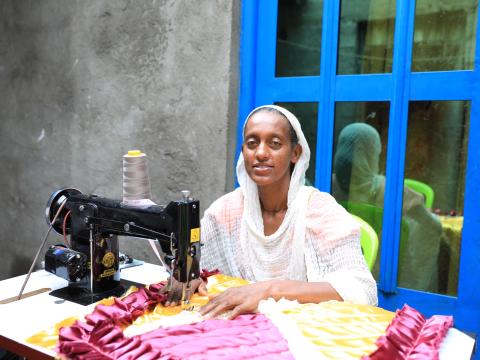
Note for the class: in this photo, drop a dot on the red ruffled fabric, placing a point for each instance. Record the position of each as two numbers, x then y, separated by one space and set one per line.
205 274
411 337
101 337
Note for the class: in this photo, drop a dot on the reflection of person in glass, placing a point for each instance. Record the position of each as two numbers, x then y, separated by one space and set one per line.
357 179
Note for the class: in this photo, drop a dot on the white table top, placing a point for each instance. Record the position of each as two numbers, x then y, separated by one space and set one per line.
28 316
23 318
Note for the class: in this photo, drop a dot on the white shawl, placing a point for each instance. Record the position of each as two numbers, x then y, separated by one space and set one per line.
282 254
317 240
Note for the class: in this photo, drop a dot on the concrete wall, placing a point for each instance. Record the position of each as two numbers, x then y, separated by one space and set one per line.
82 82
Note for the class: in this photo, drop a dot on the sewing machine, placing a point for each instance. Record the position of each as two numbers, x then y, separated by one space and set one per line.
90 262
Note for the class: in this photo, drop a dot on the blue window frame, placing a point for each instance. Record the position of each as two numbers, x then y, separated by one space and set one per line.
259 85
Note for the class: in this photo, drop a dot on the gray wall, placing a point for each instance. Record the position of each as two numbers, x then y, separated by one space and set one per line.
82 82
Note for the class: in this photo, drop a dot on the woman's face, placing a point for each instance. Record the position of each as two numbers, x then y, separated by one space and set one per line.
267 148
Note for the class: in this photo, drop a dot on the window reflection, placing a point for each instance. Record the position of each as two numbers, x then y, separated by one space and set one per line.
436 156
366 36
358 182
307 114
444 37
299 37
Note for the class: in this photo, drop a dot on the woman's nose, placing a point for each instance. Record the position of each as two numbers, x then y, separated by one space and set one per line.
262 151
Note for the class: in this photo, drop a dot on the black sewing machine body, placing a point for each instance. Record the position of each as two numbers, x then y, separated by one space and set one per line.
91 263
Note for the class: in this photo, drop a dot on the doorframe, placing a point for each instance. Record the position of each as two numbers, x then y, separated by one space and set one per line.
258 85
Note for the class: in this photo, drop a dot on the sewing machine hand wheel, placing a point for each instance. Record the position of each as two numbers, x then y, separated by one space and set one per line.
56 200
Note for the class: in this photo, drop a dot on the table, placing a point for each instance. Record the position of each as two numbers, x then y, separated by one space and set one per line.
23 318
20 319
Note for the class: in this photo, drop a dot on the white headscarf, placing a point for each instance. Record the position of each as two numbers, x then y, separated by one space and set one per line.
282 254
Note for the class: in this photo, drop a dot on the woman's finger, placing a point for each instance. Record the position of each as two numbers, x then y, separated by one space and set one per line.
163 289
174 295
202 289
217 310
169 290
205 309
237 310
169 298
217 305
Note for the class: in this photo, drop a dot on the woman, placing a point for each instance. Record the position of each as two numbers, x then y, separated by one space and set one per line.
357 179
292 240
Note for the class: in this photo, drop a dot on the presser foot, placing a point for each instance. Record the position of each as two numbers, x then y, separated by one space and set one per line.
186 298
187 306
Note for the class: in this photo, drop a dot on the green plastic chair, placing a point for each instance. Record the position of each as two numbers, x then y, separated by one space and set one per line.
373 216
368 241
423 189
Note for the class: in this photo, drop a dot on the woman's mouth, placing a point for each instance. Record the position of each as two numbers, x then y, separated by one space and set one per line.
262 169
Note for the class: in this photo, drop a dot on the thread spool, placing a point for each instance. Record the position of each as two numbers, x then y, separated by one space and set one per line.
136 182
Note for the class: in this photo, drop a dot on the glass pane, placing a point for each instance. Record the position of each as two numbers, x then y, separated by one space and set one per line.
435 159
307 114
360 142
365 44
444 37
299 37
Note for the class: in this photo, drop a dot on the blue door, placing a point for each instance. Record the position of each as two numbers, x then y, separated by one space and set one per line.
407 74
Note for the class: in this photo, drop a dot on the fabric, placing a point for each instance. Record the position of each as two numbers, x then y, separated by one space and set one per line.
139 327
329 330
357 179
250 336
411 336
151 319
317 240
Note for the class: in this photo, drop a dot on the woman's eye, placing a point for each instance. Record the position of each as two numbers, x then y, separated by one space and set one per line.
251 143
276 143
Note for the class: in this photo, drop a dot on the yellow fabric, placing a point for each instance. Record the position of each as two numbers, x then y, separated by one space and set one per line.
48 338
334 330
216 284
452 223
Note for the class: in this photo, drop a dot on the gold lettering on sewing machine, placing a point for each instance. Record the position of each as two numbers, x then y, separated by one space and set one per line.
108 272
194 235
108 259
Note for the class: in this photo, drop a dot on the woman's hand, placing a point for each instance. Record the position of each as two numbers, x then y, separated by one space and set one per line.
241 300
174 296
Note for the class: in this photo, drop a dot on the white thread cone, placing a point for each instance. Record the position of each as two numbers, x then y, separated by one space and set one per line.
136 182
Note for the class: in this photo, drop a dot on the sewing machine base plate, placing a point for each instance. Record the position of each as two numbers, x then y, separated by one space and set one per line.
84 297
